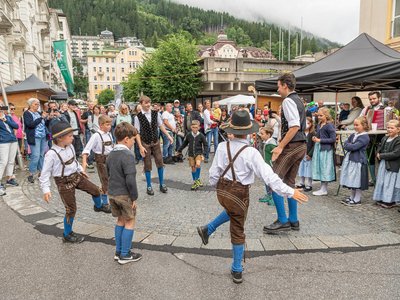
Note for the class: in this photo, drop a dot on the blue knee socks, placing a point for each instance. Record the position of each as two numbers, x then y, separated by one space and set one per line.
237 251
161 175
148 178
126 241
194 175
280 207
198 173
104 199
218 221
97 201
68 226
292 210
118 238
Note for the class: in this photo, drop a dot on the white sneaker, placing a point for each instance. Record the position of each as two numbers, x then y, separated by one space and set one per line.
320 193
2 192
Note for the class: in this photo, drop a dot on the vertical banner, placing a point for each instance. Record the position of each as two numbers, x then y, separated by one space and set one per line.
118 95
60 52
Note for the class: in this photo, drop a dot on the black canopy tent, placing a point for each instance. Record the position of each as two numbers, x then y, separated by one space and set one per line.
362 65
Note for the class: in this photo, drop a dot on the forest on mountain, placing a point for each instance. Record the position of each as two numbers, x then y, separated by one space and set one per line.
152 20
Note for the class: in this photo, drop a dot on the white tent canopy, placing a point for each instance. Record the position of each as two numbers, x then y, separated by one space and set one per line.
237 100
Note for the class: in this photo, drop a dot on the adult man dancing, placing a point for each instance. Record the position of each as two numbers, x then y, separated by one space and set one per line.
147 123
289 153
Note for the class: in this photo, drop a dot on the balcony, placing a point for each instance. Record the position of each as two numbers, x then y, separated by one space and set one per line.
43 19
18 36
5 17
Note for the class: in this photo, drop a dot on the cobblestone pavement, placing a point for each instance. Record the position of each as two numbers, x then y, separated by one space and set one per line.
175 215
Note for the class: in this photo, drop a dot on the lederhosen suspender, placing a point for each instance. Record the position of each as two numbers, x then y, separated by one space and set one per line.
231 161
68 162
104 144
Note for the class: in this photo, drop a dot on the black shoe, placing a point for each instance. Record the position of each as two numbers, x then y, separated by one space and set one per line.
203 233
31 179
307 189
277 227
117 256
347 200
168 161
131 257
163 188
300 186
105 208
150 191
73 238
237 277
295 225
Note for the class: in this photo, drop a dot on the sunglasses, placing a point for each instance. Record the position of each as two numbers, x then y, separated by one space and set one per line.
12 108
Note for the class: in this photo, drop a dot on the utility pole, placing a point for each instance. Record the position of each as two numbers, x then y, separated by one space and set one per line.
289 44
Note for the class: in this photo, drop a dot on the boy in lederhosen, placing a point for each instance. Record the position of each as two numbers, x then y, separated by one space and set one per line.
101 143
232 172
61 164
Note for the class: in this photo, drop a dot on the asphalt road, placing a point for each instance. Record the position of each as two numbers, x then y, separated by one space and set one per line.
38 266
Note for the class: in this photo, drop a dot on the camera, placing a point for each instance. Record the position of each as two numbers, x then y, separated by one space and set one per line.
3 107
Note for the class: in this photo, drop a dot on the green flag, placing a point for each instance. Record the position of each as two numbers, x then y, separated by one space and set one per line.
60 52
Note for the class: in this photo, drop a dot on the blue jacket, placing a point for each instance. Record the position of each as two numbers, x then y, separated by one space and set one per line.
358 149
327 134
5 135
30 126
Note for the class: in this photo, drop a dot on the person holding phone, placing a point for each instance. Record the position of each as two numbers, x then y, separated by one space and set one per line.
8 147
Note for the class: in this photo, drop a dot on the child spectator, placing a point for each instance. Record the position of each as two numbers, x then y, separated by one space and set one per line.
387 187
101 143
323 164
197 147
60 163
354 173
305 169
268 144
121 168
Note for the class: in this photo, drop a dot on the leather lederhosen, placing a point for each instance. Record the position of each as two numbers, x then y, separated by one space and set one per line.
66 186
234 197
101 164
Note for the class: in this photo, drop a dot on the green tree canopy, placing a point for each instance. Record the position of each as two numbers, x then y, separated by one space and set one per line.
106 96
170 73
81 83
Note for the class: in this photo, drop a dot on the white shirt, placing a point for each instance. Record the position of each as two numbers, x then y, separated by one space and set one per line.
148 116
52 165
94 125
291 112
74 121
207 119
96 145
248 164
171 120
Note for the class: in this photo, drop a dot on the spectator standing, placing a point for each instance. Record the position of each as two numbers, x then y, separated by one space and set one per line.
72 117
93 121
8 148
36 134
18 132
170 125
211 129
190 115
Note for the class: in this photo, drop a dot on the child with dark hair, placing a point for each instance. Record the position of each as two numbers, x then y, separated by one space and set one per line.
122 190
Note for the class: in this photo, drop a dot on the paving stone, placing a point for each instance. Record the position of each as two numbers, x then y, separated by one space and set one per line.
103 233
218 243
336 241
375 239
187 242
307 243
159 239
139 236
31 211
276 243
51 221
82 228
254 245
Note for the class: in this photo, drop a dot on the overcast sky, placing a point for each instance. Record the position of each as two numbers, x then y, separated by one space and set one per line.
336 20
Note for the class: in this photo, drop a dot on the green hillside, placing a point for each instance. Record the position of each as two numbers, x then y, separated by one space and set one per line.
151 20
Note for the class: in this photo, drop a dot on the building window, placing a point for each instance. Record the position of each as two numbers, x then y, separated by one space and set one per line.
96 96
94 59
94 69
122 60
123 70
108 69
123 78
100 69
112 60
61 36
396 19
108 86
108 78
113 78
95 86
107 60
95 78
113 69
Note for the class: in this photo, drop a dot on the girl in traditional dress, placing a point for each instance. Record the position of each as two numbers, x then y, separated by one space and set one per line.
305 169
354 173
387 188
